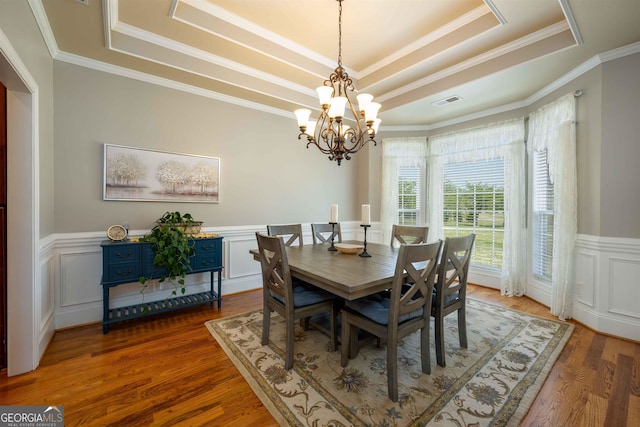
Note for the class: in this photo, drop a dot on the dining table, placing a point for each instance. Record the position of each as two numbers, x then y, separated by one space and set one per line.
348 276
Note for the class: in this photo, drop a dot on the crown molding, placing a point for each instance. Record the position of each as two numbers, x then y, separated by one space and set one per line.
43 25
480 59
250 27
183 49
171 84
584 68
568 14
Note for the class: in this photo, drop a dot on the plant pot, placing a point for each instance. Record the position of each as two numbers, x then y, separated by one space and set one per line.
188 228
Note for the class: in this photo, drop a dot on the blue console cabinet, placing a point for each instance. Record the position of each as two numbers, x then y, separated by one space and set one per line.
126 262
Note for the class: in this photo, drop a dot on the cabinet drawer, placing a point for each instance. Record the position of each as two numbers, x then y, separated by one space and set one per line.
122 253
205 263
208 254
124 272
208 247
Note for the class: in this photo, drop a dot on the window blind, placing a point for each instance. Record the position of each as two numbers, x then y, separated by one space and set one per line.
409 192
542 217
474 203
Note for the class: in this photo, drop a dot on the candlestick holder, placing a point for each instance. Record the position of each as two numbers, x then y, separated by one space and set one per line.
364 252
332 248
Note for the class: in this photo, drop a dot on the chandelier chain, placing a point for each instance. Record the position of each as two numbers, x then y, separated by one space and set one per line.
340 33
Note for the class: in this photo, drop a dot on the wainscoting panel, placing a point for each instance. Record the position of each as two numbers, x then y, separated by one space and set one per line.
80 272
624 292
241 262
586 273
607 270
607 294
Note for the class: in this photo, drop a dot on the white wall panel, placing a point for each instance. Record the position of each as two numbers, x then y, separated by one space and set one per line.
585 278
624 288
241 262
80 274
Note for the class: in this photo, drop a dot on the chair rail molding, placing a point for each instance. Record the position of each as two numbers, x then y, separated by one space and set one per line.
606 270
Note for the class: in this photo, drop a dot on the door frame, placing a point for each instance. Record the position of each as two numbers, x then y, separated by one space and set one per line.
23 272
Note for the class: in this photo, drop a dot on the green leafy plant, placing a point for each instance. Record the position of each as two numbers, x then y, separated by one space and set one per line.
170 242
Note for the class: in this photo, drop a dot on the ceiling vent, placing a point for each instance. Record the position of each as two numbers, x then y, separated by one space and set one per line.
448 100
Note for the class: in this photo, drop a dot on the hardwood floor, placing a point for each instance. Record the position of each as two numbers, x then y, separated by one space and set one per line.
169 371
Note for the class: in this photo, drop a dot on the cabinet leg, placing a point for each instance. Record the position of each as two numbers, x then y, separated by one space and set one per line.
219 288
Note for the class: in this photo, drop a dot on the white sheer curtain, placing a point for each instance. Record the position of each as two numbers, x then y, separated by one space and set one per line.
398 153
552 127
500 140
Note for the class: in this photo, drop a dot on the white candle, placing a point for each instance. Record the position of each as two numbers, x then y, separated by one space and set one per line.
366 214
334 213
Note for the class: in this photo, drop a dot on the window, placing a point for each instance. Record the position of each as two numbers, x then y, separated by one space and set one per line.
542 212
474 203
409 196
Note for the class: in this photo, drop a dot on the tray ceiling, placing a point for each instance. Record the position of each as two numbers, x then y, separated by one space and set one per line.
271 54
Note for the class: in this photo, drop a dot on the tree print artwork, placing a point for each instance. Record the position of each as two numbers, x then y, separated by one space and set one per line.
150 175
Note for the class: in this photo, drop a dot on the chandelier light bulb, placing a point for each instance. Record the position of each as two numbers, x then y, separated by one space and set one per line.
303 116
371 111
324 94
336 107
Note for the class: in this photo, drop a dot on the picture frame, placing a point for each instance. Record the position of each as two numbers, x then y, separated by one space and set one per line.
141 174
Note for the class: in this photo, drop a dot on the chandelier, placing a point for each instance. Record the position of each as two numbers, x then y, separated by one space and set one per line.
329 133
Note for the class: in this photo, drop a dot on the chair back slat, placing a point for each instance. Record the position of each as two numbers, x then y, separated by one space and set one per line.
409 235
414 278
323 232
276 275
453 270
291 232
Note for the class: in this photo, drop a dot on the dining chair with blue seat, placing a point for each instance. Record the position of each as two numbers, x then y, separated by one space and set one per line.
396 313
292 303
450 290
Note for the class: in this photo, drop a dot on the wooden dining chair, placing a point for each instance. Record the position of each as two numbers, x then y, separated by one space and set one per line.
290 302
450 291
408 234
394 314
292 232
323 232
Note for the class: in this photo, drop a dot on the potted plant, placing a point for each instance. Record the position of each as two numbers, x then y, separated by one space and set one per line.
170 242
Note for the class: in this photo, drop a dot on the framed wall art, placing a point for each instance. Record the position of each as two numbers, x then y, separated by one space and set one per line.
157 176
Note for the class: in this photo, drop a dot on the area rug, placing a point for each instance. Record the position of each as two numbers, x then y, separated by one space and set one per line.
491 383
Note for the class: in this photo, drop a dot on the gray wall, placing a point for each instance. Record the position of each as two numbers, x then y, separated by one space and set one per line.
620 148
19 26
268 176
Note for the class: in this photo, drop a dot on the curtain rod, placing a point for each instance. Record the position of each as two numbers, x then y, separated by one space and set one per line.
577 93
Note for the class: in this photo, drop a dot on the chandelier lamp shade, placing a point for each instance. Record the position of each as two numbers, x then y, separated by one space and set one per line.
329 132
